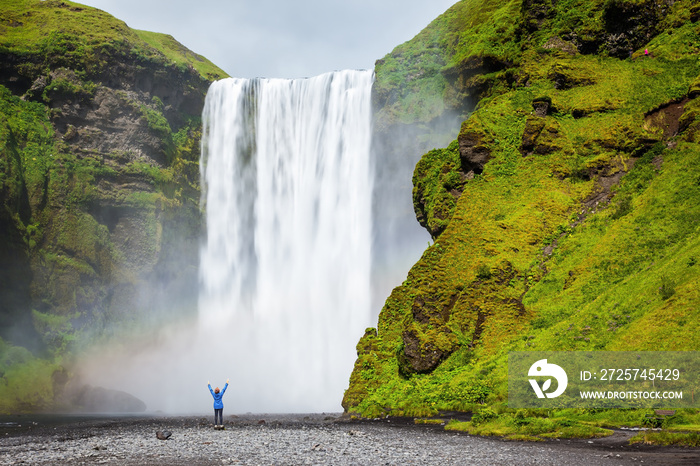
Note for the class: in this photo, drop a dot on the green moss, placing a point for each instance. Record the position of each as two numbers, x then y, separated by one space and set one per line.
180 55
686 439
579 234
55 330
437 183
420 79
67 34
90 225
26 382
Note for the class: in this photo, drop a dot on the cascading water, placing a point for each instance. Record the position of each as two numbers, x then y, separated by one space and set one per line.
285 269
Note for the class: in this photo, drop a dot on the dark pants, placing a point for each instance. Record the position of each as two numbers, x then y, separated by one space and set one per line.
219 414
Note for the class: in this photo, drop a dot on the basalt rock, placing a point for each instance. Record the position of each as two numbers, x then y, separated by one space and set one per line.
474 147
630 24
423 351
163 435
540 135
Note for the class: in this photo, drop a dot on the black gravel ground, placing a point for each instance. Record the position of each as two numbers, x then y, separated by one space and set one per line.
296 440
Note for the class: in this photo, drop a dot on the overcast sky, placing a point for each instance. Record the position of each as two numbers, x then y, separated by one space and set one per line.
282 38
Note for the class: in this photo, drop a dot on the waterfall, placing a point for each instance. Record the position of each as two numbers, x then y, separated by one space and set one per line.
285 267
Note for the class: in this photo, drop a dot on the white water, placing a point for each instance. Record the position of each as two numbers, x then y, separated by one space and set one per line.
285 269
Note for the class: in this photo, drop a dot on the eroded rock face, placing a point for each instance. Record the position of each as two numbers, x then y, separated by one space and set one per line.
629 25
110 124
474 148
626 26
474 77
116 218
541 133
427 341
420 355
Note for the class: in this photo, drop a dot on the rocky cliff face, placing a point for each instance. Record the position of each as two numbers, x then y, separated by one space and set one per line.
99 195
561 214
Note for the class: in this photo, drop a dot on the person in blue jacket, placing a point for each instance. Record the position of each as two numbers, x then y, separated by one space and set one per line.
218 404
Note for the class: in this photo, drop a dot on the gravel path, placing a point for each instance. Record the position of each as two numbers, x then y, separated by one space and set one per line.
294 440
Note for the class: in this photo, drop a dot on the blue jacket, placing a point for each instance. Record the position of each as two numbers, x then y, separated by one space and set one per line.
218 404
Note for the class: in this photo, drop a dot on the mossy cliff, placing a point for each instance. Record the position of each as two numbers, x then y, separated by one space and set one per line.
566 214
99 194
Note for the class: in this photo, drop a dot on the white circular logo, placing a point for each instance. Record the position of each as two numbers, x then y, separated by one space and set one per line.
543 369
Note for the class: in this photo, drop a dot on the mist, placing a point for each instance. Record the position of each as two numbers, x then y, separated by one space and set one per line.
285 262
286 285
398 240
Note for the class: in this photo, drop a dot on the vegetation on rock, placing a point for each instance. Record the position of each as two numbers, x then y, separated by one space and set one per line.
565 216
99 187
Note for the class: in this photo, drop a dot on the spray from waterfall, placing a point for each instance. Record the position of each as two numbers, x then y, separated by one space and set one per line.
285 265
285 269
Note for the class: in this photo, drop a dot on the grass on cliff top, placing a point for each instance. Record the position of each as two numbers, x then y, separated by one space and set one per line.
81 37
411 83
181 55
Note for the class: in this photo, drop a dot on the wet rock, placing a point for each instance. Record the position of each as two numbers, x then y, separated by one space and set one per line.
542 106
629 25
474 150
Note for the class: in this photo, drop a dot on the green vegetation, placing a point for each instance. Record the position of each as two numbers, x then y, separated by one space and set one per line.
26 381
57 33
538 425
580 233
99 184
520 426
437 184
686 439
422 77
181 56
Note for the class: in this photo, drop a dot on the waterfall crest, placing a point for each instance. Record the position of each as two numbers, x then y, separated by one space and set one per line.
285 268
